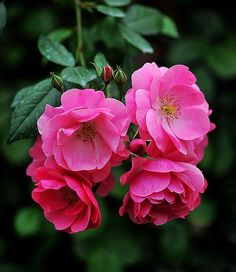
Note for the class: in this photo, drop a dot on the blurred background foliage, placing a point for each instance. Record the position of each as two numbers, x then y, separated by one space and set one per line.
206 240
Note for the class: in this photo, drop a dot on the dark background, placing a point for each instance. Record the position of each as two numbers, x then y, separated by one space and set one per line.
206 240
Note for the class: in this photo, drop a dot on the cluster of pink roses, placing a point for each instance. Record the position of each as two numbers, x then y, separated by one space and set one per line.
86 136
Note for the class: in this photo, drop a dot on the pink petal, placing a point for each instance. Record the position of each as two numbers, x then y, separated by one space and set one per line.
75 208
120 114
191 124
177 74
100 174
91 196
106 186
195 177
64 133
161 219
136 209
143 105
84 115
142 78
162 165
145 207
137 165
158 217
58 156
154 126
102 152
77 186
169 196
82 221
163 70
36 150
109 132
48 114
122 209
187 96
175 185
136 198
79 155
86 98
146 183
60 219
53 126
177 142
49 200
155 93
131 104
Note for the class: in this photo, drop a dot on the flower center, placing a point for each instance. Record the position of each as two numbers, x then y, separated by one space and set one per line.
87 131
170 107
69 195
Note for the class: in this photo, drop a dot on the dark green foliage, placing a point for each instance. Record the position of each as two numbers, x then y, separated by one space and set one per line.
29 105
206 240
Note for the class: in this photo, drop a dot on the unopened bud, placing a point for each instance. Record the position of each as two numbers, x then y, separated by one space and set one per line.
120 78
138 147
57 83
107 74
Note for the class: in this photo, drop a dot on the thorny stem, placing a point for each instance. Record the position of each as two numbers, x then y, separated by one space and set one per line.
79 51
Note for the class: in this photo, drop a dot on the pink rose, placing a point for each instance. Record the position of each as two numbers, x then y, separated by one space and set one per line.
161 190
67 200
168 106
86 132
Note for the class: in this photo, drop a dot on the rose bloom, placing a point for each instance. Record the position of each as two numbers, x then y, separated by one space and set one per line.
169 108
67 201
86 132
161 190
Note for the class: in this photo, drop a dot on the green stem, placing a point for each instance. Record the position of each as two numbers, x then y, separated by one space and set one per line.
79 51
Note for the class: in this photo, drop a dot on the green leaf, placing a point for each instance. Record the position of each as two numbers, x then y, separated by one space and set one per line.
61 34
187 50
144 20
100 61
110 11
136 40
29 108
222 59
117 3
55 52
3 17
169 27
27 221
78 75
19 96
107 28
